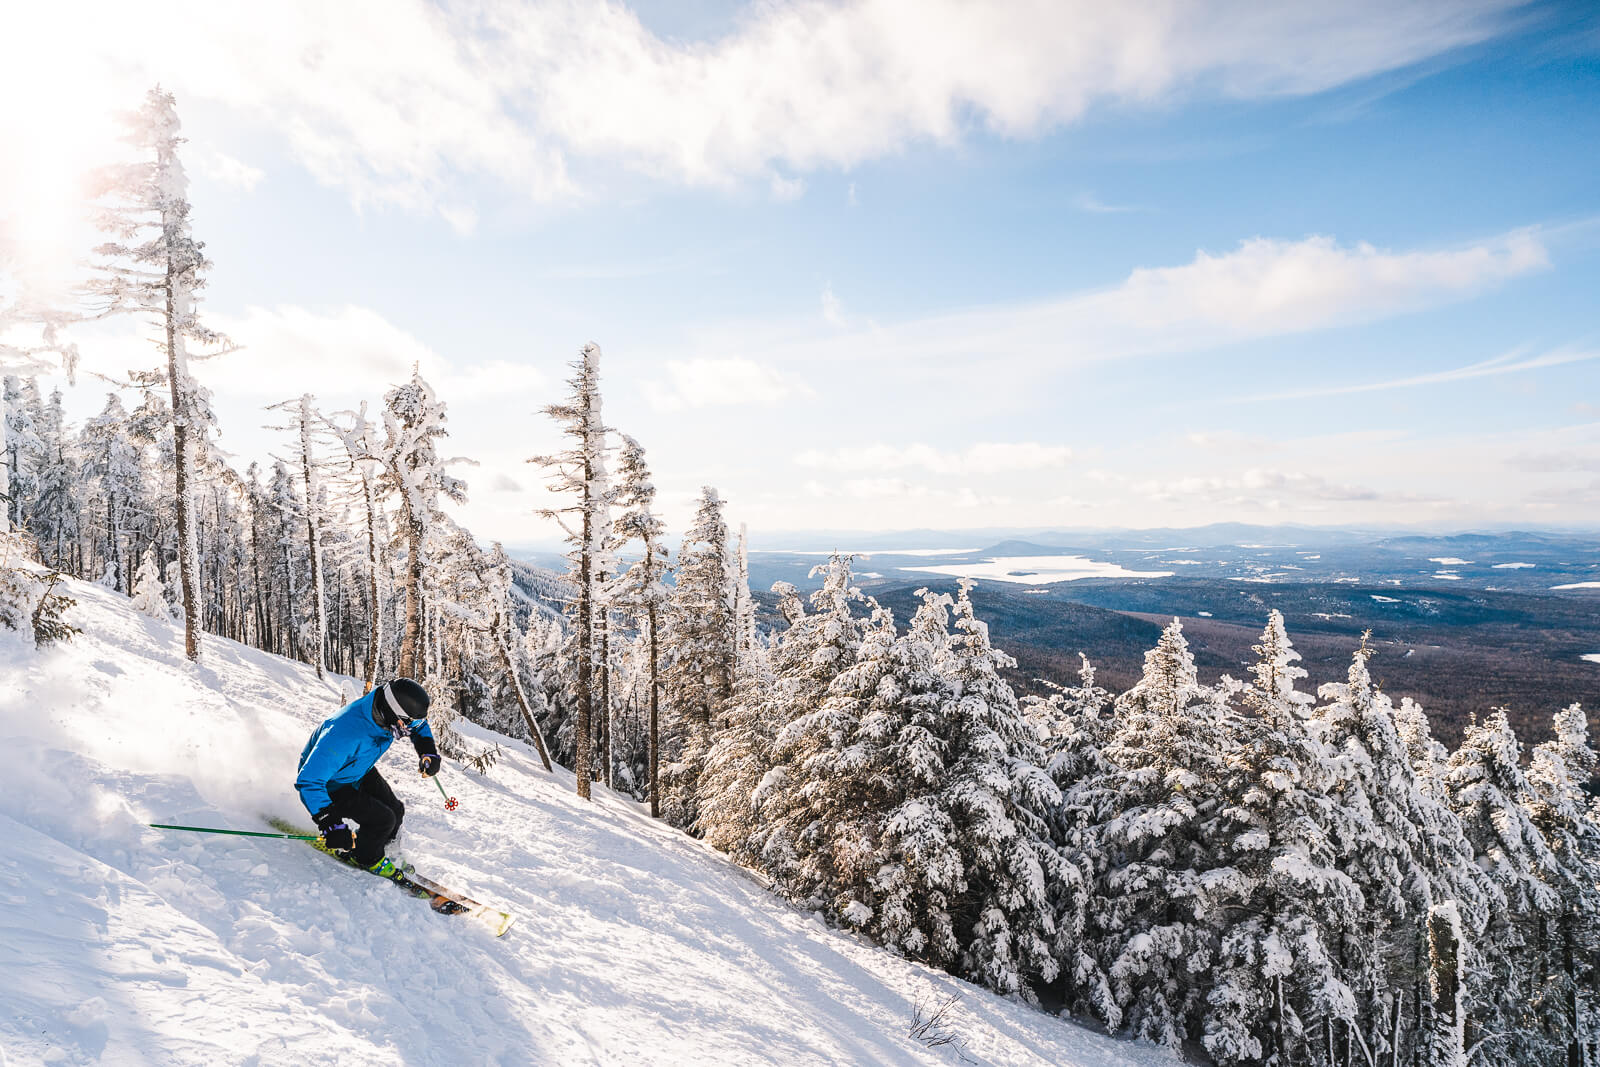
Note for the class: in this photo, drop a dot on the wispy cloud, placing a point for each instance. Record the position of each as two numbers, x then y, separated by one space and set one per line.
698 383
1262 288
1095 206
221 167
1514 362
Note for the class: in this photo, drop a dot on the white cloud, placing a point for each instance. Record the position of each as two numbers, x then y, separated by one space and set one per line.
221 167
832 307
1263 288
348 351
981 458
394 99
698 383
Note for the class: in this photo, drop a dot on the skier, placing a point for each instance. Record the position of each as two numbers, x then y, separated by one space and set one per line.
338 779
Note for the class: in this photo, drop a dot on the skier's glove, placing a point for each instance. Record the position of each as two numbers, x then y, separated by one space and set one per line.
429 764
336 833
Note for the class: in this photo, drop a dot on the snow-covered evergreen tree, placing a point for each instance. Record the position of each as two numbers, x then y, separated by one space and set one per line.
162 274
1278 899
149 594
1400 844
640 588
413 422
1489 792
580 470
700 653
1153 814
1563 812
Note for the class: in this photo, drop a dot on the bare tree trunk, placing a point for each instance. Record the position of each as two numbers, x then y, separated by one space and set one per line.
585 643
180 447
522 697
608 771
412 635
655 719
375 620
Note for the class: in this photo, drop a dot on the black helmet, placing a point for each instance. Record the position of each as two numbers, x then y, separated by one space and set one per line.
402 699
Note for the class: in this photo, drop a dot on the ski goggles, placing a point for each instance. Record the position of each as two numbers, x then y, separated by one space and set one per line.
401 729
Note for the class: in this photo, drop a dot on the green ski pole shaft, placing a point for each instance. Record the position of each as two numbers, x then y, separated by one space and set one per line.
235 833
449 801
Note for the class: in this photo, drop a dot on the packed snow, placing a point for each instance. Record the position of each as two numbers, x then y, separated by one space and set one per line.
634 943
1038 570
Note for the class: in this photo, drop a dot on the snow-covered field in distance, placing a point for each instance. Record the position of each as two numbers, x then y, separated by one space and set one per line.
1578 585
1593 657
1038 570
120 944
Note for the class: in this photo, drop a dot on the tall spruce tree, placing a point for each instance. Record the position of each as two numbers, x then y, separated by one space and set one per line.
154 265
701 654
580 471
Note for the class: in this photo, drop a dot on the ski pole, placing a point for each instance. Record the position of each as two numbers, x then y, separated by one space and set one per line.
236 833
449 801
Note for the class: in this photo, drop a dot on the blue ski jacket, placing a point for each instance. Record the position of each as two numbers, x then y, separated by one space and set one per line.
344 748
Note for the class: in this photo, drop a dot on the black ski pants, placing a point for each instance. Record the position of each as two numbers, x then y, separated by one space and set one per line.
376 810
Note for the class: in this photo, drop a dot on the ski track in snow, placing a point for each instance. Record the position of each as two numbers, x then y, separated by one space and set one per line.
634 943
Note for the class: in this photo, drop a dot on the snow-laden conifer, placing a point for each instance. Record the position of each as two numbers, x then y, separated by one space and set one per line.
580 471
154 265
413 421
700 653
1276 895
1563 812
1489 792
1400 844
640 588
1153 813
149 593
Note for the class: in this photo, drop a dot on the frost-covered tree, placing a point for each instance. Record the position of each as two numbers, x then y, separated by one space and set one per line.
580 471
1400 844
1280 902
413 422
1562 811
149 594
700 652
1490 794
364 459
111 477
803 728
1153 814
154 266
640 589
307 422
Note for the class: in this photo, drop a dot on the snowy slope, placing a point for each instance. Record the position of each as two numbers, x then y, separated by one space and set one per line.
120 944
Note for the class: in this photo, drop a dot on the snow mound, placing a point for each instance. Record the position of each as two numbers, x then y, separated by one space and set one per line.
634 943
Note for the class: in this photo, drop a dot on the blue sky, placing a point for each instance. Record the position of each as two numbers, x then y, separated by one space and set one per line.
890 265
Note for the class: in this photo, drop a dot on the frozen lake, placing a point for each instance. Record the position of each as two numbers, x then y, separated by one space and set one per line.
1038 570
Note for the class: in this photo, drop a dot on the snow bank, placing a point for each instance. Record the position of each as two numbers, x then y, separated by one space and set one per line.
122 944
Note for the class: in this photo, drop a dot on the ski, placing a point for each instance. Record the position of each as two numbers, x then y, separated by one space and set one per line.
442 900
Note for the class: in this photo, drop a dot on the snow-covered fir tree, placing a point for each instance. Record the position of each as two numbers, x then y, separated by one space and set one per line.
154 265
580 470
1564 814
640 589
149 594
413 422
1489 792
700 653
1153 814
1276 895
